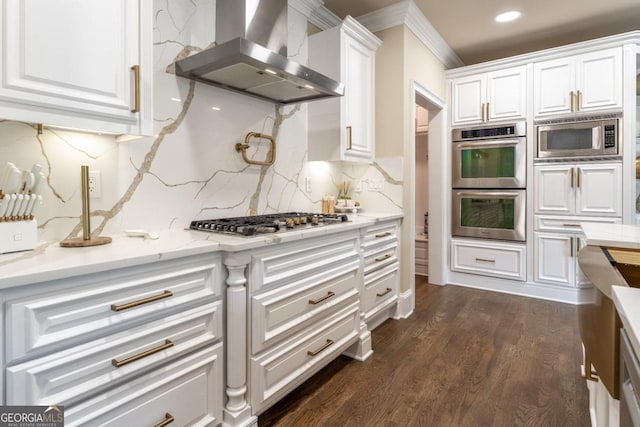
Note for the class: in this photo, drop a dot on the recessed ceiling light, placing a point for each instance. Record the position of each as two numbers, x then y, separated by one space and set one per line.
509 16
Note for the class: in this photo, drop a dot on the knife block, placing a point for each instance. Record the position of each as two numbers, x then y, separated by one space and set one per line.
18 236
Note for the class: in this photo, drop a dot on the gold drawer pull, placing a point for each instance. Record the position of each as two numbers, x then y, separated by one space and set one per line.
324 347
571 225
119 363
485 260
381 294
349 140
319 300
168 419
165 294
385 234
382 258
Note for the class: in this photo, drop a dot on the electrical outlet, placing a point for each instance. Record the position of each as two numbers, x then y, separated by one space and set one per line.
95 185
307 184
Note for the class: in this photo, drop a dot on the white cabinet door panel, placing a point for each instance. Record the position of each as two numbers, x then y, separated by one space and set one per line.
507 93
554 262
600 80
553 190
553 83
599 189
468 99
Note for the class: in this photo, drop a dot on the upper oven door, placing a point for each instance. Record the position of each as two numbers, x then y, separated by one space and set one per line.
495 163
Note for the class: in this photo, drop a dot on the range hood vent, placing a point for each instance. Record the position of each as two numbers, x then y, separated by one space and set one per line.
251 56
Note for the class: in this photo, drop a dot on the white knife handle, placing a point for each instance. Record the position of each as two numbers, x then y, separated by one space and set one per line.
28 213
23 206
10 204
16 205
35 204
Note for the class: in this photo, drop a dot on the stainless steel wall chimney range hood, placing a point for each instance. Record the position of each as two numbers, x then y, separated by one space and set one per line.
251 56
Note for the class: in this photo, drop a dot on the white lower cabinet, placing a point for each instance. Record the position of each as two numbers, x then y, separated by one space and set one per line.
380 246
497 259
133 343
422 257
188 391
304 311
557 241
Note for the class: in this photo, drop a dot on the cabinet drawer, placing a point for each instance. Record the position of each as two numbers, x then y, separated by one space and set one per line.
278 312
84 307
294 262
384 234
380 289
68 376
569 223
380 257
284 367
190 390
490 259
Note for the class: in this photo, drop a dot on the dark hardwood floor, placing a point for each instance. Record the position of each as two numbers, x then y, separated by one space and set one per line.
465 357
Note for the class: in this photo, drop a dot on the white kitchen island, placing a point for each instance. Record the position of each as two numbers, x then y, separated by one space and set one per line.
605 410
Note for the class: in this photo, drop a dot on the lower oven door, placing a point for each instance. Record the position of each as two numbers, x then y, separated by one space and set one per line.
489 214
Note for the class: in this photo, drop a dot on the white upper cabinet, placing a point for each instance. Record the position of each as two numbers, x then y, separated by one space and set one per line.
81 64
497 95
580 83
343 128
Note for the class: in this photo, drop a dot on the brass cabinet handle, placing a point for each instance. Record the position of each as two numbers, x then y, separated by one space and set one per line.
136 83
571 247
385 234
487 108
382 258
319 300
579 103
485 260
321 349
381 294
483 115
571 225
165 294
571 96
349 138
168 419
578 177
119 363
571 177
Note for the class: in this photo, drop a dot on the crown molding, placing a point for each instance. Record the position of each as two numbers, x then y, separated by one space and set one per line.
406 13
324 19
306 7
361 33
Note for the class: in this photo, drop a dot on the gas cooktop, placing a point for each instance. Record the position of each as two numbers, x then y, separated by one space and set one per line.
271 223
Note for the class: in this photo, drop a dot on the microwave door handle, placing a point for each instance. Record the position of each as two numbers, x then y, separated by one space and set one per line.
488 194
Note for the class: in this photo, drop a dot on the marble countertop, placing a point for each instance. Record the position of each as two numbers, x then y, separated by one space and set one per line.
49 261
627 301
626 236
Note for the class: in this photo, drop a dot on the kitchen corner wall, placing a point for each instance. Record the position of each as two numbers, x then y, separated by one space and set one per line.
189 169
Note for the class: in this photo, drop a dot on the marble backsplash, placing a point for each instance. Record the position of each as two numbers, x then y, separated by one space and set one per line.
189 169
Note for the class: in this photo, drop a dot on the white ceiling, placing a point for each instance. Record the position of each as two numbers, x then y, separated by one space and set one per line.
468 25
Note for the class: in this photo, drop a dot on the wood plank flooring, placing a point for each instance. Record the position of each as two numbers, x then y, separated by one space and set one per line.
465 357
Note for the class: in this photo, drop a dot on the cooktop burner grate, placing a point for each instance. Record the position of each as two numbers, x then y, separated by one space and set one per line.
271 223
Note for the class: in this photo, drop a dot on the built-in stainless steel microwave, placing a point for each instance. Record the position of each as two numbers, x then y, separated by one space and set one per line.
589 138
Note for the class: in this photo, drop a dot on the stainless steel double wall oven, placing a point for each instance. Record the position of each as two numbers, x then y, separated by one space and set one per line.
489 181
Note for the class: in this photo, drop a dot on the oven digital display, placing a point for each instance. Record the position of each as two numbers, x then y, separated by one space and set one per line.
488 132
